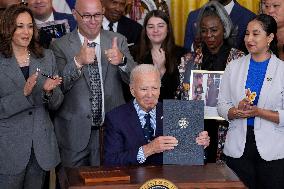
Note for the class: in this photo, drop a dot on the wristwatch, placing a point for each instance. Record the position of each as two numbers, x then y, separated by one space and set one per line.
123 61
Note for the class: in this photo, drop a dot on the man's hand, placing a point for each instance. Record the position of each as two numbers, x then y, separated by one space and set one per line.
203 139
31 82
160 144
86 54
114 56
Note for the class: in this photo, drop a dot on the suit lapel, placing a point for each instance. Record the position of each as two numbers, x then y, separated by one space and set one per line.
34 64
75 46
122 26
235 13
268 80
104 46
135 124
242 77
13 71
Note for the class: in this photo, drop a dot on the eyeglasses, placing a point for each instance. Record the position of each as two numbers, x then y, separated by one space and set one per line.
88 17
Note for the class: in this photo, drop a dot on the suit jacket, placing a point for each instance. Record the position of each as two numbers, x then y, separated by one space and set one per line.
269 136
212 95
73 119
124 135
240 17
130 29
25 121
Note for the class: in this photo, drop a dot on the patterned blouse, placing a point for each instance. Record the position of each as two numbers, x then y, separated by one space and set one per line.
193 61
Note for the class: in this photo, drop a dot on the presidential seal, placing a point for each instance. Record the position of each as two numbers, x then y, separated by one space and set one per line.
158 184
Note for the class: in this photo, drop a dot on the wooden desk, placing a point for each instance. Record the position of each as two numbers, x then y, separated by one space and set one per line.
184 177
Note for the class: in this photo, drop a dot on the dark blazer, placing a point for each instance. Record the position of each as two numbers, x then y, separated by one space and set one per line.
240 17
124 135
130 29
73 119
25 121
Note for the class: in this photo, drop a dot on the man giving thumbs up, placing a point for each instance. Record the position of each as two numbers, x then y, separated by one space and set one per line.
93 64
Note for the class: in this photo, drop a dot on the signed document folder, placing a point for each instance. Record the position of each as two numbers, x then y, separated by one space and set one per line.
184 120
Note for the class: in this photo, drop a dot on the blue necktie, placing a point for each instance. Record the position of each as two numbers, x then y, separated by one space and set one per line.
148 130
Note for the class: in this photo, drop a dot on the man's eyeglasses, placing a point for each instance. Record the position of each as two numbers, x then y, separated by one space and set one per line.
88 17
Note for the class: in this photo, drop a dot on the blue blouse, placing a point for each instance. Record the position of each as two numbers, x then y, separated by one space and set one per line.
255 78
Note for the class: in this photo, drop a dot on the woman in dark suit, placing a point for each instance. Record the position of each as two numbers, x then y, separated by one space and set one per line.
28 89
157 46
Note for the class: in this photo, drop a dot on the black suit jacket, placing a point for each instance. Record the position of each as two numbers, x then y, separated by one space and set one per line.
130 29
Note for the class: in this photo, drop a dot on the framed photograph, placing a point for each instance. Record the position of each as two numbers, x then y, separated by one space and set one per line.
205 85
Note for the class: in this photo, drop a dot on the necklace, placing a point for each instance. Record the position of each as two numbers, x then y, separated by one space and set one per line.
26 61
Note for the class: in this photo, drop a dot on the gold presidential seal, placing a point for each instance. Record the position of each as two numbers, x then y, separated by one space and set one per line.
158 184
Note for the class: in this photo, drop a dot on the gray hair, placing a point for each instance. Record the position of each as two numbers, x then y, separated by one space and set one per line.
142 69
214 8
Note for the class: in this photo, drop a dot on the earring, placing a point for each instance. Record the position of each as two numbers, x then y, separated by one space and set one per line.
268 44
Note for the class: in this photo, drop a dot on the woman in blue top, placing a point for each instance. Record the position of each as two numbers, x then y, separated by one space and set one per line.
251 99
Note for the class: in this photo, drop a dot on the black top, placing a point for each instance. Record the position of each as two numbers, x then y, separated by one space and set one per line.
169 81
215 62
25 71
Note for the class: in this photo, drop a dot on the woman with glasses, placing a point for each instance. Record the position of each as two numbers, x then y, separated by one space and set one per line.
29 88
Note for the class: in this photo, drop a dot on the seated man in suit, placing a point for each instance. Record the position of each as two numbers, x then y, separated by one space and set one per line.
93 63
114 20
133 133
239 15
43 13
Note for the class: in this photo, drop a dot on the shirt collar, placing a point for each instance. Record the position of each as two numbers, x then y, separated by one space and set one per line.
106 23
50 19
97 40
141 113
229 7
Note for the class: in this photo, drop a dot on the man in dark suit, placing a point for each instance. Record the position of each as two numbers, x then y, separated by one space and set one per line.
239 15
211 97
43 13
114 20
93 63
133 133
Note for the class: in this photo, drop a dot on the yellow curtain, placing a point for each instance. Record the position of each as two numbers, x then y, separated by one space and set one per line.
181 8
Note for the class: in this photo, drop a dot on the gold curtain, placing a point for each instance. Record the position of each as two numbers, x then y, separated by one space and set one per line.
181 8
